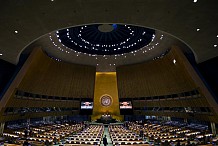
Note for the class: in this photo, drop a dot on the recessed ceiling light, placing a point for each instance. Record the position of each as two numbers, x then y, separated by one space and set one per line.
15 31
1 54
174 61
195 1
198 29
215 45
217 36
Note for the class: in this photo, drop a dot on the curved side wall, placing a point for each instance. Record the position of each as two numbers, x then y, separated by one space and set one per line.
46 76
161 78
154 78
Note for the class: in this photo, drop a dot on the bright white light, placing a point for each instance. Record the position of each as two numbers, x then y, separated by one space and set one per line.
174 61
217 36
215 45
195 1
1 54
15 31
198 29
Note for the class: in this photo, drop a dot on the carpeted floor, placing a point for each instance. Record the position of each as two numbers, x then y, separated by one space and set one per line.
106 132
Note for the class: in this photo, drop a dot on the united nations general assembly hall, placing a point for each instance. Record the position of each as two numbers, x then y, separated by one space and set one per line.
109 73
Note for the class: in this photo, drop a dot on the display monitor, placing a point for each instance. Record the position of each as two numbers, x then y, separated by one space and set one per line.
126 105
86 105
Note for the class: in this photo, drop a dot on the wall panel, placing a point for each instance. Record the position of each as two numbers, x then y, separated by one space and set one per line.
46 76
43 76
163 77
153 78
106 84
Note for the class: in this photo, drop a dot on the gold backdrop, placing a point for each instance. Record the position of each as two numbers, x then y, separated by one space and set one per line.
106 85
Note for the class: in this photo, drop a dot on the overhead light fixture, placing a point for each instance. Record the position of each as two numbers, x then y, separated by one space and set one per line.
174 61
16 31
1 54
195 1
215 45
198 29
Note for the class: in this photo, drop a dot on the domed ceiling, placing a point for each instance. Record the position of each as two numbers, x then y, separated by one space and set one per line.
192 21
107 45
105 39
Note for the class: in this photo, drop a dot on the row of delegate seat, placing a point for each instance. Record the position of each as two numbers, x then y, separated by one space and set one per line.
46 134
121 136
160 134
92 135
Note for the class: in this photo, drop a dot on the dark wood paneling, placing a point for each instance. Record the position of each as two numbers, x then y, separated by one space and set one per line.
36 115
43 103
201 117
195 102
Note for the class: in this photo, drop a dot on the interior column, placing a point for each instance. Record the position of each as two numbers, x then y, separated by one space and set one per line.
2 125
213 128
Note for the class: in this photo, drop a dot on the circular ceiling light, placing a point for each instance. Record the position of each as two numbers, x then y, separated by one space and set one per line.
105 28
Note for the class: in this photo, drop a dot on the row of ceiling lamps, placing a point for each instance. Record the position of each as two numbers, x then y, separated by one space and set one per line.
149 46
16 32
